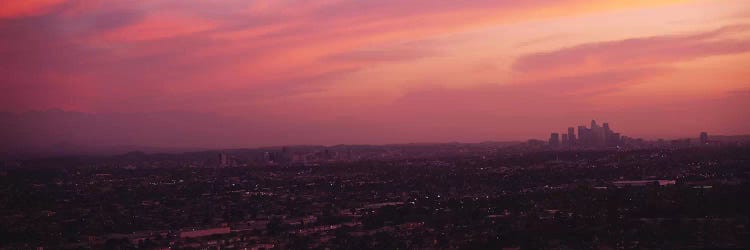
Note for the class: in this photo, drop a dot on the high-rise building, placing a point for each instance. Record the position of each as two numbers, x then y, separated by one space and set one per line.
571 136
583 136
704 138
554 139
596 136
610 137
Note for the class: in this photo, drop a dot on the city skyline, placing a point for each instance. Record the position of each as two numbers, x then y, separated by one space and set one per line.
374 124
69 147
253 73
76 129
593 136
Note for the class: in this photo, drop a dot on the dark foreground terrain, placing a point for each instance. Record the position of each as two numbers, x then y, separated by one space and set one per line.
690 198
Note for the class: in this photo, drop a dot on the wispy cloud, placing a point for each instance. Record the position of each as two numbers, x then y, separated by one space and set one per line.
27 8
639 51
380 63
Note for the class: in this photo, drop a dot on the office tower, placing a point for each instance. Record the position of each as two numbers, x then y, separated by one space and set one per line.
608 135
571 136
596 135
583 136
554 139
704 138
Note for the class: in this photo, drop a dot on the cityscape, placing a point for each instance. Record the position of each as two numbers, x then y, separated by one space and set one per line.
595 136
604 137
374 124
598 190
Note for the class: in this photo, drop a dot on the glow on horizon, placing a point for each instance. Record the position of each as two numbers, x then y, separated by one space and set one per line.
384 70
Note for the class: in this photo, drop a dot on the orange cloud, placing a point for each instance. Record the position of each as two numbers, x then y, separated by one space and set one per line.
636 52
25 8
156 27
280 57
301 40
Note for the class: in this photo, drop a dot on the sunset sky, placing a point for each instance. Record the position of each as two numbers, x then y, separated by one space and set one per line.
241 73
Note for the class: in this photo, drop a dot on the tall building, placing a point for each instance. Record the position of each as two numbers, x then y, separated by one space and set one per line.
554 139
571 136
583 136
610 137
596 136
565 140
704 138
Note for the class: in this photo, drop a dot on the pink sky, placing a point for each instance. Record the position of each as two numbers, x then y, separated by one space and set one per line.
369 71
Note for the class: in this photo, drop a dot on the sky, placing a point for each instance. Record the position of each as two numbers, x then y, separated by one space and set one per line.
243 73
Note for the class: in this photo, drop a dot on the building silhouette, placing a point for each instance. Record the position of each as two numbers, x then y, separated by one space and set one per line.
593 136
554 139
571 136
583 135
